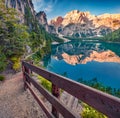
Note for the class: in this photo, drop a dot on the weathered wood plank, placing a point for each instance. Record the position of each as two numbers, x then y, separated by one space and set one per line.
105 103
65 111
49 115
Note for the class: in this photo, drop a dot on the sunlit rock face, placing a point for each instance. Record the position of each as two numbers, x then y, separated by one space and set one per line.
106 56
55 25
56 21
110 20
84 24
76 17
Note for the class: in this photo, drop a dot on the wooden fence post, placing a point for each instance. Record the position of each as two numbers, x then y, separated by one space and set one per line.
56 93
24 69
24 78
31 62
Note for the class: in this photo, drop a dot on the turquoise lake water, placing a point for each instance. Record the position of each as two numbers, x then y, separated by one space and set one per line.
107 73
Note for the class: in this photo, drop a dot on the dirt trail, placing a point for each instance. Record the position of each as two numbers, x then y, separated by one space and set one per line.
15 102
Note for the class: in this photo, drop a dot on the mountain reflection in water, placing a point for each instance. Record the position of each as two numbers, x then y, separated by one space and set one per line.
83 52
86 60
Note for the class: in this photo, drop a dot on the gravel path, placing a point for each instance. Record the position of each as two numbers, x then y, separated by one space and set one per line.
15 102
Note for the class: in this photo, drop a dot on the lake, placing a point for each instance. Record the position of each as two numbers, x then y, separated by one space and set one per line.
86 60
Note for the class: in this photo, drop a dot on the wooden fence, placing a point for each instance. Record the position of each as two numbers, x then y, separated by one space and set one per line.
104 103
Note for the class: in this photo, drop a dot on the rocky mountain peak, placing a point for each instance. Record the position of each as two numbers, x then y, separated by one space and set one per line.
83 24
73 12
56 21
77 12
42 19
76 16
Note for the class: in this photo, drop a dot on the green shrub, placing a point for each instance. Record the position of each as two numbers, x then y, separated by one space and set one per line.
89 112
3 62
2 77
45 83
16 63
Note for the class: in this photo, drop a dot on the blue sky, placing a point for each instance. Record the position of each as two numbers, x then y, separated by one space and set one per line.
54 8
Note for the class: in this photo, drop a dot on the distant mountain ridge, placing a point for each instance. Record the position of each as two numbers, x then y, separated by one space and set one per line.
84 24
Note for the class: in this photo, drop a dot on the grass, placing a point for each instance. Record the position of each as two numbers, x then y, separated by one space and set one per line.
2 77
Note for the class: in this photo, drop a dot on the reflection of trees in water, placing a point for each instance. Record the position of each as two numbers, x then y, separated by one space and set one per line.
64 74
85 48
96 84
115 47
77 48
46 60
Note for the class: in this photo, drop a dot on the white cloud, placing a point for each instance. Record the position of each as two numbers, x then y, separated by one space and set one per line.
48 8
44 5
38 4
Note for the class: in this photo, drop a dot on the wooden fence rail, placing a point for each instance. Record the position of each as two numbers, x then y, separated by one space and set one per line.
105 103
